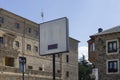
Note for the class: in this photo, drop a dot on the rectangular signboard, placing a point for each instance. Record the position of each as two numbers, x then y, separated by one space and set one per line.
22 64
54 36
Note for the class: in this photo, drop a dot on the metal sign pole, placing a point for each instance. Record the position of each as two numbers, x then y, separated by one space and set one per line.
23 70
22 65
53 66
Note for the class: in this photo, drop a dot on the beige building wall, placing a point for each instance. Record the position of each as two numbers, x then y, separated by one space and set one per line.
36 65
70 66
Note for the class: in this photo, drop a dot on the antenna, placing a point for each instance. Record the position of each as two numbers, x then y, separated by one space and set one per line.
42 16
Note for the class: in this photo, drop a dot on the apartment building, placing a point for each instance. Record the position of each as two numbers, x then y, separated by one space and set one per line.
104 53
19 37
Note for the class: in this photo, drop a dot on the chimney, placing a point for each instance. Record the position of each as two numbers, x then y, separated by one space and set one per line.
100 30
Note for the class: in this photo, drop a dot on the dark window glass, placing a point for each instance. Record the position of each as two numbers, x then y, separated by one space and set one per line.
40 68
9 61
1 40
112 66
17 25
28 47
29 30
58 71
30 67
67 58
36 48
1 20
112 46
91 47
67 74
17 43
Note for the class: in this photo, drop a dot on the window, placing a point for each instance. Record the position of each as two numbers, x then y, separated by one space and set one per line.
112 46
17 44
67 58
30 67
1 20
35 48
1 40
17 25
40 68
29 30
28 47
9 61
112 66
58 71
67 74
92 47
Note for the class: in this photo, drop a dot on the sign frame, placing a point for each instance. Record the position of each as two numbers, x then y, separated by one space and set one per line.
60 30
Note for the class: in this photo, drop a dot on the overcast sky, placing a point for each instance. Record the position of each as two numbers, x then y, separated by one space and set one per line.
85 16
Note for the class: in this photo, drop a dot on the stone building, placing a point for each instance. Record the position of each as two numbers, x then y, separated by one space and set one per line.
104 53
19 37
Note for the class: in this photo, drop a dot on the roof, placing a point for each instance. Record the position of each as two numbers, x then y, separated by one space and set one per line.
109 31
74 39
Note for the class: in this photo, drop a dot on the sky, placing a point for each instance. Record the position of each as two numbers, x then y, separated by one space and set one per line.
85 16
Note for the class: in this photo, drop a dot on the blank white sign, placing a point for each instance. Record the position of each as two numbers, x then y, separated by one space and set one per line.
54 36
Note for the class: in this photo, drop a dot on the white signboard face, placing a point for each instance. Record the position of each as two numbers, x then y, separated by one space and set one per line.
54 36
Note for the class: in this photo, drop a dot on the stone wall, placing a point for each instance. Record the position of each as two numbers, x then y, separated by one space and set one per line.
22 35
101 57
72 65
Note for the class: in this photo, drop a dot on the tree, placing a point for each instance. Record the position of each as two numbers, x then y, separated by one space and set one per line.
85 69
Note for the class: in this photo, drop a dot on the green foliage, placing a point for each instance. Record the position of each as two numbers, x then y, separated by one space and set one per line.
85 69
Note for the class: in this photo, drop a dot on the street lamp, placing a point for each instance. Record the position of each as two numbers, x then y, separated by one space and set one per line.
22 65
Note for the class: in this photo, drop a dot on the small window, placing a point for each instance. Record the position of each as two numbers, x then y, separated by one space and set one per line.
17 25
29 30
1 40
112 66
35 48
17 44
9 61
58 71
30 67
67 74
67 58
28 47
40 68
92 47
112 46
1 20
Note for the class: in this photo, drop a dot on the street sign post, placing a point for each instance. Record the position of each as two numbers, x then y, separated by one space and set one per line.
22 65
54 38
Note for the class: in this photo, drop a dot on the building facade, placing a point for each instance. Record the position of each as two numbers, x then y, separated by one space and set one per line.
104 53
19 37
